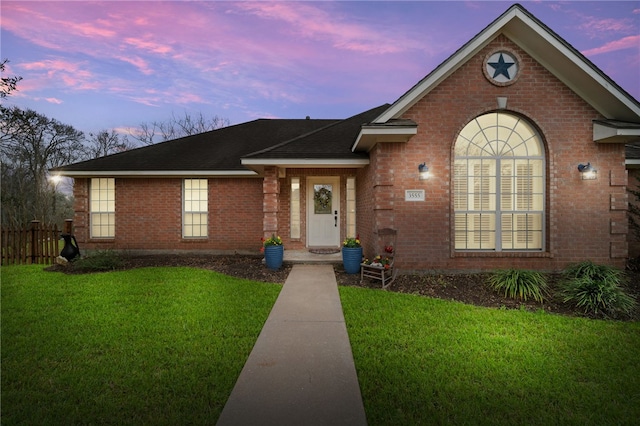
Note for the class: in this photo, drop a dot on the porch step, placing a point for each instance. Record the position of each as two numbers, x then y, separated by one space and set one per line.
304 256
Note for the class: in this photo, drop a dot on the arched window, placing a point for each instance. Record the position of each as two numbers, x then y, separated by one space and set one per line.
499 185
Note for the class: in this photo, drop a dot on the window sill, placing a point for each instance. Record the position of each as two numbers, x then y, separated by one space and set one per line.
503 254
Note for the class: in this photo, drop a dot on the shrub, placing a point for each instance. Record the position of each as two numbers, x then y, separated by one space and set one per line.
597 289
104 260
519 283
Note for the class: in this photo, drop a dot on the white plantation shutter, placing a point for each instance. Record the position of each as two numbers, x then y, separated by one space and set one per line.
498 185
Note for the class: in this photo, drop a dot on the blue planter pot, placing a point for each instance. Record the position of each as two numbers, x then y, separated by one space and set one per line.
351 259
273 256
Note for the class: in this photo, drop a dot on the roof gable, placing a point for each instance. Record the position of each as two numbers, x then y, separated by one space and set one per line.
546 47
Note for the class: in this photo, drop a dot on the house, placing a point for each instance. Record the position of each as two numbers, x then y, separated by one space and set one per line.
502 126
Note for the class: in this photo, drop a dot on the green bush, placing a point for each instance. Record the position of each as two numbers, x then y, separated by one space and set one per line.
102 260
596 289
519 283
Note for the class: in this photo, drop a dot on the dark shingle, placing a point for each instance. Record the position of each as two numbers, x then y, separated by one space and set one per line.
217 150
331 142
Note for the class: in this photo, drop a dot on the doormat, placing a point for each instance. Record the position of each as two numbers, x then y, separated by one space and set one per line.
324 251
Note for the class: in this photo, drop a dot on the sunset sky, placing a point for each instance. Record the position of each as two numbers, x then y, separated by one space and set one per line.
116 64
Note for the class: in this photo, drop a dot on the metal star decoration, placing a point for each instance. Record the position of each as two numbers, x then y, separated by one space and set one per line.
501 67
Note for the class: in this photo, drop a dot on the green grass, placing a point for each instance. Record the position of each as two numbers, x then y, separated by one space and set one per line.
429 361
166 345
147 346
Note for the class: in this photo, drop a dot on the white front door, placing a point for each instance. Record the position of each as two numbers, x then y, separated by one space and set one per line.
323 211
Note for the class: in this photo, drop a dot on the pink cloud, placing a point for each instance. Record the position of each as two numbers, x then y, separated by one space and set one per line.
188 98
597 27
141 64
317 24
46 24
148 45
58 72
631 42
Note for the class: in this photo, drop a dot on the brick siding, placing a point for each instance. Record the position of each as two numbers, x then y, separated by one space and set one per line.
581 222
149 215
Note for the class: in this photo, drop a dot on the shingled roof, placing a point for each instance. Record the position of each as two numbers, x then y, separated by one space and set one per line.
329 146
632 155
217 152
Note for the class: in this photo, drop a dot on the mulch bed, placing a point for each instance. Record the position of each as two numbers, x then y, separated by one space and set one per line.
465 288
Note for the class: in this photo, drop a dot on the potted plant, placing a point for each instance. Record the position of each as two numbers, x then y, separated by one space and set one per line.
273 251
352 255
378 261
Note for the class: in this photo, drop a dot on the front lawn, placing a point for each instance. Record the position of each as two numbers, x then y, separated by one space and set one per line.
146 346
166 345
430 361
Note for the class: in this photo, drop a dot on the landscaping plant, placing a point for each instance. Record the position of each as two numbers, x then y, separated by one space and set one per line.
519 283
596 289
101 260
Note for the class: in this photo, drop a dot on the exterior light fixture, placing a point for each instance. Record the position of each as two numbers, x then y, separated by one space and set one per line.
423 171
587 171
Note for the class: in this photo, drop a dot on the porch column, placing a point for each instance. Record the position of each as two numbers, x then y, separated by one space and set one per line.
270 201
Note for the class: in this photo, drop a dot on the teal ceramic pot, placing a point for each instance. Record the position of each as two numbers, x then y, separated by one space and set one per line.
351 259
273 256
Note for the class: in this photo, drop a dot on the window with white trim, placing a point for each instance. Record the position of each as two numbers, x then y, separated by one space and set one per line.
295 207
195 208
351 207
102 207
499 185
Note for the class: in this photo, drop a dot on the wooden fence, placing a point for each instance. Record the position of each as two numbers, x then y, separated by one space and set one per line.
36 244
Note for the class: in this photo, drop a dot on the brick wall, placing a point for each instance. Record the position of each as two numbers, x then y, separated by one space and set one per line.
584 219
149 212
149 215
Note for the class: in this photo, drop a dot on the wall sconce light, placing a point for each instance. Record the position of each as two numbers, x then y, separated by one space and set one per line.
423 171
587 171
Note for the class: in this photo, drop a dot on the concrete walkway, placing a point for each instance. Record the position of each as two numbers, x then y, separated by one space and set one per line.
301 370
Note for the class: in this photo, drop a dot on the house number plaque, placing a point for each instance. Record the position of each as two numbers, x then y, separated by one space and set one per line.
414 195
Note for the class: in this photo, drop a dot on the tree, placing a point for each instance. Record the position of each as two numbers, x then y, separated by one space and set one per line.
8 84
31 144
176 127
105 143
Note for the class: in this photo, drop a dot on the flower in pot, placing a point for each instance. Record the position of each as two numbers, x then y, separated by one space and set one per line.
379 261
273 251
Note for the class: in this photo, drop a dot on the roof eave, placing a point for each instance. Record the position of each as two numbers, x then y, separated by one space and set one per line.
604 132
305 163
372 134
154 173
632 163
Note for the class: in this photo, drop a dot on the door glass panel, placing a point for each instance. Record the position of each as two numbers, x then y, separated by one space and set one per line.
322 199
